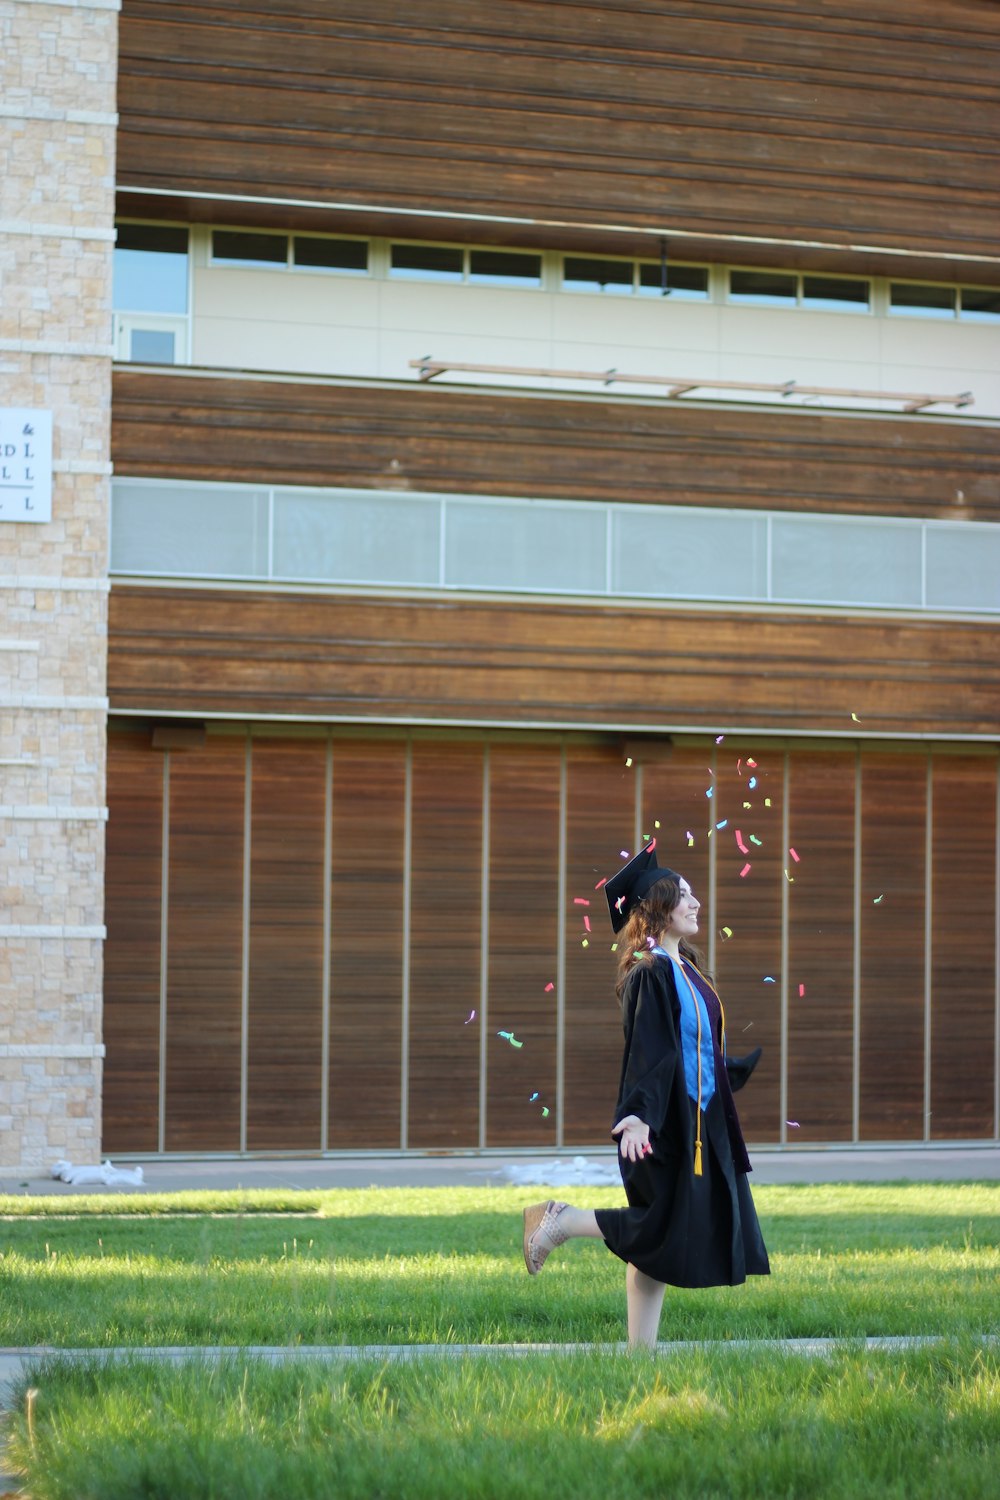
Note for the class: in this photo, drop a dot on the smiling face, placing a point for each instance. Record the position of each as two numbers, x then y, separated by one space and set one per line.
683 920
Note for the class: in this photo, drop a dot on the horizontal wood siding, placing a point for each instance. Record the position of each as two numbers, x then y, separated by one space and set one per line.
523 947
963 937
205 955
830 119
367 950
821 947
893 862
207 651
285 973
132 890
445 945
202 427
600 823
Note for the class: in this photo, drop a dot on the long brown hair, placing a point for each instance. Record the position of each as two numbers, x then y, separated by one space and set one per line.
645 924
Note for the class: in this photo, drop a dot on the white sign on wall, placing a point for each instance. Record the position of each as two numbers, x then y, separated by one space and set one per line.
25 464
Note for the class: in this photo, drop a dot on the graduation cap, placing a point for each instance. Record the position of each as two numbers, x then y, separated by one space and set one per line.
633 881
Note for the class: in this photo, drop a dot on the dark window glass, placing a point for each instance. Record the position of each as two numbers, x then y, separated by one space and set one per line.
833 291
981 302
236 244
331 255
583 274
921 300
682 281
504 268
427 262
768 287
166 239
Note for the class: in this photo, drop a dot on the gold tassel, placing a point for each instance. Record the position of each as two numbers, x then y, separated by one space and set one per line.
697 1158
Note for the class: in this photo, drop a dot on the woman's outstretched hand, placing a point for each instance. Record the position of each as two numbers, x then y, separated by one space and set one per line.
633 1138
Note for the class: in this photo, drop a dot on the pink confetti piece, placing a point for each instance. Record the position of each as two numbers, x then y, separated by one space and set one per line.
597 887
794 856
472 1017
580 901
586 924
739 842
650 845
549 987
739 766
745 871
509 1036
802 991
751 763
878 900
620 903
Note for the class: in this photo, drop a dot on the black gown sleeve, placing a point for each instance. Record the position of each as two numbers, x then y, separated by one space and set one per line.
649 1066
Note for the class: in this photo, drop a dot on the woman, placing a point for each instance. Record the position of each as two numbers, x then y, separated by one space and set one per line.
691 1220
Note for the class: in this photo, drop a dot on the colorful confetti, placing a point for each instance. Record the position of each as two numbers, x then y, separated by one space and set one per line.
719 738
739 842
767 802
745 872
747 1027
755 840
472 1017
710 791
623 853
723 824
789 878
751 763
614 947
533 1097
747 806
597 887
793 1124
752 782
855 718
794 856
549 987
802 991
619 904
769 979
509 1036
690 839
878 900
586 923
628 760
656 823
580 901
545 1112
585 943
727 932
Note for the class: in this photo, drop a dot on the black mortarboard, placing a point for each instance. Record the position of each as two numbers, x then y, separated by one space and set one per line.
633 881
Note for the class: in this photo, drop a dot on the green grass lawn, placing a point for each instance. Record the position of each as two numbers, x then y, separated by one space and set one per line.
444 1265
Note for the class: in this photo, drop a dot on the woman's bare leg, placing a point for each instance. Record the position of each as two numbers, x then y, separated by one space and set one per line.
579 1223
645 1303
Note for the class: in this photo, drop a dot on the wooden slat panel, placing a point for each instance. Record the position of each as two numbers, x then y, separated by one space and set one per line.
189 426
485 661
445 944
750 906
132 950
963 927
600 822
716 116
366 944
523 943
821 947
205 937
893 839
284 1070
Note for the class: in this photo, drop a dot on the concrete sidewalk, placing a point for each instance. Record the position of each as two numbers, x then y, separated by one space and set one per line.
884 1163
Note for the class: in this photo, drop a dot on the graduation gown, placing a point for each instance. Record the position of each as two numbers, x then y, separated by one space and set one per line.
682 1229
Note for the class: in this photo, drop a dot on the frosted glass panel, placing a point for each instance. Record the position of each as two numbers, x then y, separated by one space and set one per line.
356 537
188 530
845 562
689 554
526 546
963 567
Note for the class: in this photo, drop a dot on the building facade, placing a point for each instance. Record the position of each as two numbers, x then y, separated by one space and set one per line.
534 431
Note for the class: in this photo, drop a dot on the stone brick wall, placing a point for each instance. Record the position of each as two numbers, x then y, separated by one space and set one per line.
56 238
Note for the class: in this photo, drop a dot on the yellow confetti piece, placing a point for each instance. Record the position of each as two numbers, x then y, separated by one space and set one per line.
727 932
789 878
855 718
767 802
585 943
628 760
614 947
656 822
